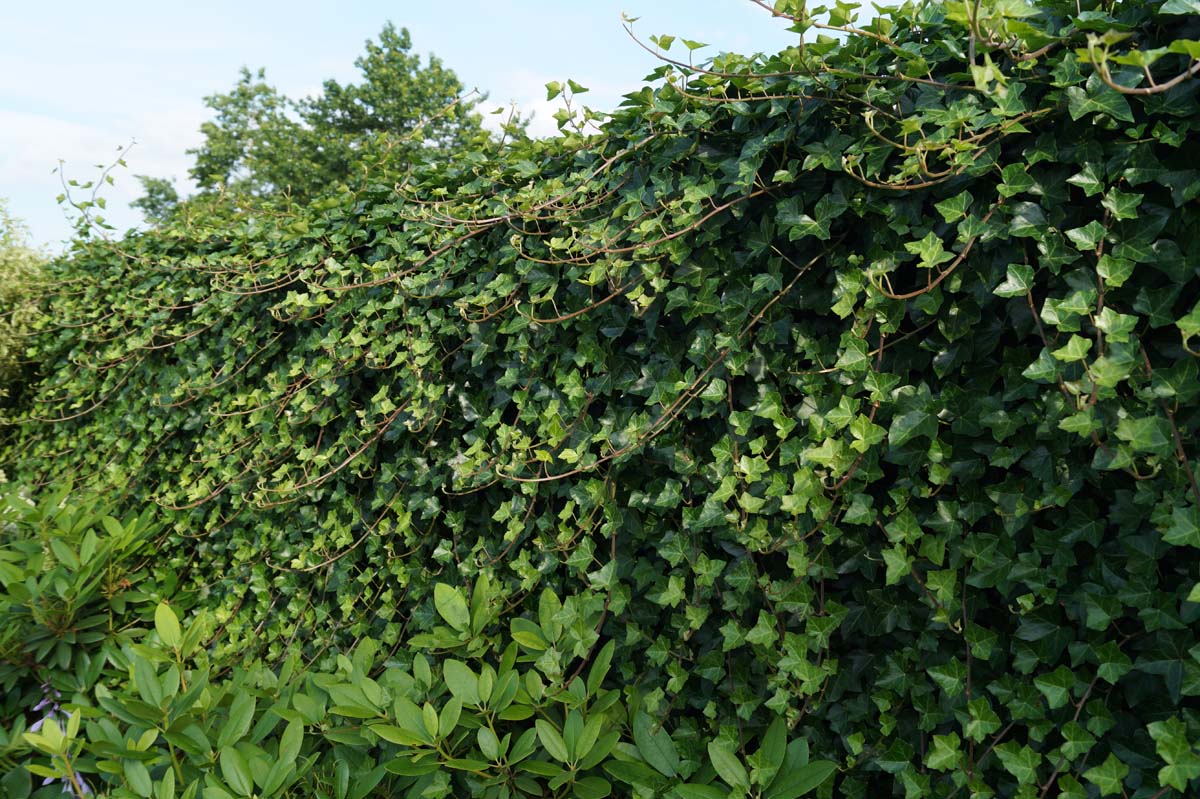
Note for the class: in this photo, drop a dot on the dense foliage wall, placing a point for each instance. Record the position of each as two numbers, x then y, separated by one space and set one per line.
854 385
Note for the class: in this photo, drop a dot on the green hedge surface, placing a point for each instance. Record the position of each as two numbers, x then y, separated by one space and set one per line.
853 386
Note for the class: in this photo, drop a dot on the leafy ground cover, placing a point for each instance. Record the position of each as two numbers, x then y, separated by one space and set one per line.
825 423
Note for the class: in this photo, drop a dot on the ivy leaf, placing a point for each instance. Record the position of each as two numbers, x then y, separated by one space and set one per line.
1088 236
866 433
763 632
1028 221
1017 282
1157 304
1042 370
899 564
1172 744
1188 47
1019 761
983 722
1056 686
908 426
1090 179
930 249
1146 434
1115 367
1123 205
1117 326
1097 98
1115 271
1108 775
1189 323
1076 349
1180 7
1016 180
950 676
1184 528
1083 423
855 356
945 753
1070 788
1076 740
955 208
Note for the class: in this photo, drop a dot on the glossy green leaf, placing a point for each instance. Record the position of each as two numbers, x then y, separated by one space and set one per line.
167 625
552 740
236 771
138 778
451 606
728 766
801 779
461 681
655 745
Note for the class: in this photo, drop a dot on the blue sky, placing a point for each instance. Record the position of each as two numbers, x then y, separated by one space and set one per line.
78 80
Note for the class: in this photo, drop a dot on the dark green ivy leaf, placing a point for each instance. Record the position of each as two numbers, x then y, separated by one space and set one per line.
1097 99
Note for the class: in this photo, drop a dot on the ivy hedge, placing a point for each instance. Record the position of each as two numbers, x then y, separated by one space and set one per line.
854 386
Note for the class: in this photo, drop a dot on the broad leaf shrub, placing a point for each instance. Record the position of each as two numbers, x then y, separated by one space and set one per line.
854 385
68 572
127 713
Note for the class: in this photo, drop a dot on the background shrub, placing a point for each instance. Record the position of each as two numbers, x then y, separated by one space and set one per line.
853 386
19 272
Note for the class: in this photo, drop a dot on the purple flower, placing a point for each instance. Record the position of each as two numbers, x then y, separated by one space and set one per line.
66 785
52 712
49 697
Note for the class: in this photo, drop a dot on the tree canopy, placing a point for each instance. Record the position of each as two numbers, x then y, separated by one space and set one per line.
261 143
